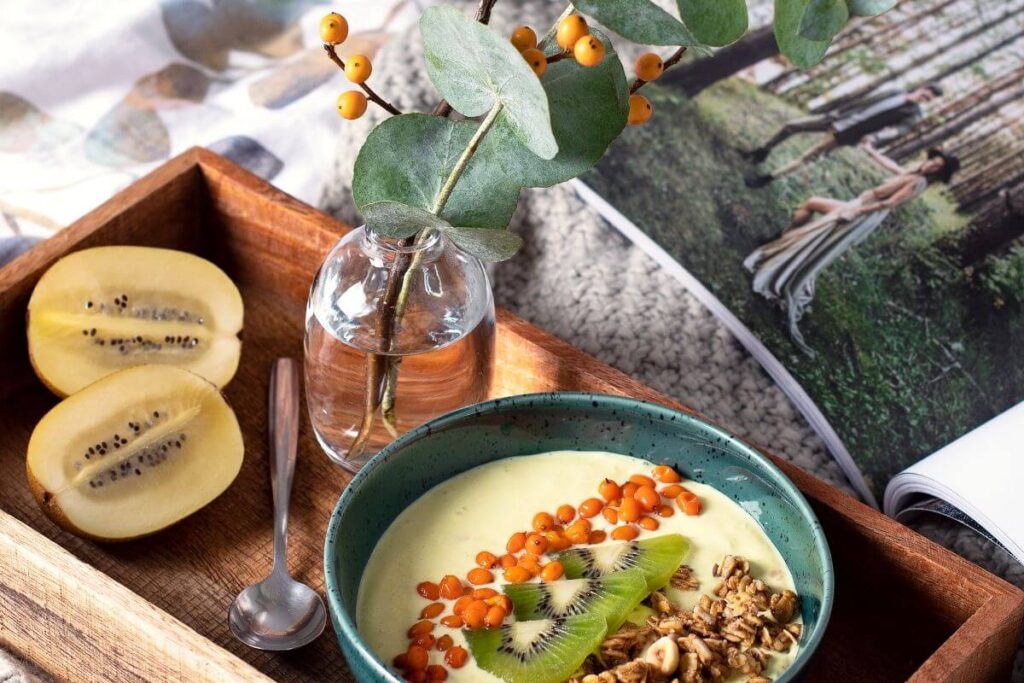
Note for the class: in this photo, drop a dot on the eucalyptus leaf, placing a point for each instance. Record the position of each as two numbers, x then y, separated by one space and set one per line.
589 106
398 220
486 245
715 23
823 19
641 21
407 159
802 52
870 8
473 68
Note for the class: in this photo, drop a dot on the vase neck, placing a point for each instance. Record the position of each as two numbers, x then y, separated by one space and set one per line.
426 241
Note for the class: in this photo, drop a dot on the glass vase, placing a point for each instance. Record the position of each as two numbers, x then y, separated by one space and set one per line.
397 333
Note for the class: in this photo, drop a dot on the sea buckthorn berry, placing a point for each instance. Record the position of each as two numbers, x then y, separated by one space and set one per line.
689 503
596 537
665 474
557 541
436 672
516 542
565 513
611 514
649 523
523 38
570 30
420 627
358 68
536 59
400 662
484 593
502 601
507 560
625 533
536 544
415 676
486 560
628 489
333 28
630 510
451 587
428 590
432 610
529 563
478 576
648 66
542 521
416 658
665 511
647 497
642 480
425 640
475 613
672 491
460 605
444 642
588 51
609 490
351 104
639 110
495 615
517 575
579 531
456 657
591 507
552 571
452 621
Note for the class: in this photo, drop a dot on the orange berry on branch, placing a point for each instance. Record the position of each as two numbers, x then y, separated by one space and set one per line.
333 28
648 67
639 110
523 38
351 104
358 68
536 59
570 30
588 51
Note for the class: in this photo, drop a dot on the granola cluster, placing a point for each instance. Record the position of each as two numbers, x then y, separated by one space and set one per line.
733 630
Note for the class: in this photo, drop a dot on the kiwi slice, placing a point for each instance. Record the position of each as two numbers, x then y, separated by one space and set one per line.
539 651
134 452
658 558
105 309
611 596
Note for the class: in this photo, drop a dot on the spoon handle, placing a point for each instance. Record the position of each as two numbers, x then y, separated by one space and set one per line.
284 433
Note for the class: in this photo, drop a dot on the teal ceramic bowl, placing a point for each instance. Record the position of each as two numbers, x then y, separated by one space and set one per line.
535 423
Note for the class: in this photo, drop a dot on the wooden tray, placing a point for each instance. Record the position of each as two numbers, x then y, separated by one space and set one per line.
156 609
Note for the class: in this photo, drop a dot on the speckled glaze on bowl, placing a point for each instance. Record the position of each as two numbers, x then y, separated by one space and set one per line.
535 423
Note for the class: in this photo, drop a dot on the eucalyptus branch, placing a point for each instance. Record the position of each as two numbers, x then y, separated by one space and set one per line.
370 94
668 64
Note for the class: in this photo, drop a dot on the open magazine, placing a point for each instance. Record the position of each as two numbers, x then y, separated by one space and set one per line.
860 229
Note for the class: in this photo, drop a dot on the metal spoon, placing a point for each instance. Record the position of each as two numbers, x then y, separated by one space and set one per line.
279 613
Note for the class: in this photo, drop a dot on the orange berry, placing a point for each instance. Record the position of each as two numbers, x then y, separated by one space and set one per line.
420 627
664 473
351 104
475 613
590 507
452 621
536 544
596 537
358 68
579 531
628 489
642 480
625 533
451 587
428 590
557 541
665 511
333 28
483 593
588 51
648 66
436 672
432 610
647 497
517 575
444 642
552 571
565 513
416 658
542 521
399 662
523 38
537 60
570 30
529 563
649 523
479 576
609 490
611 514
690 506
456 657
502 601
516 542
672 491
460 605
507 560
486 559
639 110
425 640
630 510
415 676
495 615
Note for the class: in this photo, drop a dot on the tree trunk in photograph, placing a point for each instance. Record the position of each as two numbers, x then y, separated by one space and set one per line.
694 77
998 224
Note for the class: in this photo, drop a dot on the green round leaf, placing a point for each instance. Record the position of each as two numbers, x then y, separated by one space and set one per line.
870 8
398 220
473 67
802 52
641 21
715 23
407 159
823 19
486 245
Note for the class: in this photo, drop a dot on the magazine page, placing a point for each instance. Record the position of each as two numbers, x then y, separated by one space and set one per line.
859 225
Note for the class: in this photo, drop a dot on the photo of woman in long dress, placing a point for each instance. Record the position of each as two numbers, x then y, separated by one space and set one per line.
786 269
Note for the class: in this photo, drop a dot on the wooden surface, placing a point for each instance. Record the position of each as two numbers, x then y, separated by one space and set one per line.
905 608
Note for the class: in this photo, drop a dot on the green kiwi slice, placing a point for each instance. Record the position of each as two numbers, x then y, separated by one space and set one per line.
539 651
611 596
658 558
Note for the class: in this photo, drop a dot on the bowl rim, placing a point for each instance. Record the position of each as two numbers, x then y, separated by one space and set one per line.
346 622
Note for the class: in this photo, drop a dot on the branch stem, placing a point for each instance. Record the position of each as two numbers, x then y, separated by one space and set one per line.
370 94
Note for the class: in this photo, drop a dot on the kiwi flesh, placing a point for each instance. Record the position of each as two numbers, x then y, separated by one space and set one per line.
612 596
658 558
134 453
104 309
538 651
